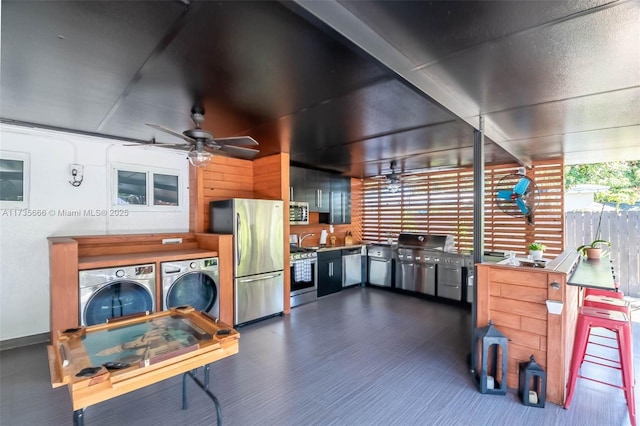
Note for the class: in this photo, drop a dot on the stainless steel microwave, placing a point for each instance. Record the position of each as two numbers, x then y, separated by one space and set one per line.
298 213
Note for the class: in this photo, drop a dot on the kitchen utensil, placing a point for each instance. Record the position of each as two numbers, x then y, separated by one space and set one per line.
348 239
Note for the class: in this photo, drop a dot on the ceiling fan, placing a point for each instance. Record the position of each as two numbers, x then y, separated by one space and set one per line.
202 144
393 179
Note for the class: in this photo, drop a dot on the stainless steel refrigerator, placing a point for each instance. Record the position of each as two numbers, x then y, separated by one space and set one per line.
258 250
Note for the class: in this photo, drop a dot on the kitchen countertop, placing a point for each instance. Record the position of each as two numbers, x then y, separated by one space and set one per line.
336 247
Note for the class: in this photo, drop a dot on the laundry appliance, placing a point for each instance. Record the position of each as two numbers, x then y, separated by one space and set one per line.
193 282
115 292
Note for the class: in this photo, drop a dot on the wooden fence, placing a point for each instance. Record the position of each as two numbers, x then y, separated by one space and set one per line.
622 229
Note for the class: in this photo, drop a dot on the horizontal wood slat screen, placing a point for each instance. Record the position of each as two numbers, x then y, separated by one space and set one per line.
441 202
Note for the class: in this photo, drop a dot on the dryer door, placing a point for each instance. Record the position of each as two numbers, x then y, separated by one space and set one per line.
117 299
195 289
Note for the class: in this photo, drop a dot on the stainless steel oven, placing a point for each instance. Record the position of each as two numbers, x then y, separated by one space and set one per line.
304 276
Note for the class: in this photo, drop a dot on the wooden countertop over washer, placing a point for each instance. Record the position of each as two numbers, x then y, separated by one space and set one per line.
123 259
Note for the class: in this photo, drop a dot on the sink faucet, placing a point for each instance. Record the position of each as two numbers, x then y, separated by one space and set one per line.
301 238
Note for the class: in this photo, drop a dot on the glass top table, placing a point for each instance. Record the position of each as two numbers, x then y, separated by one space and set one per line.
593 273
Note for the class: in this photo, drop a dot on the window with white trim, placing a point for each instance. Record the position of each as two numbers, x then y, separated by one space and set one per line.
146 188
14 179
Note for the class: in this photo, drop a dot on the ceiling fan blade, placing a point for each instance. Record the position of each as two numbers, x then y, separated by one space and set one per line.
237 141
523 207
505 194
170 145
521 186
171 132
239 152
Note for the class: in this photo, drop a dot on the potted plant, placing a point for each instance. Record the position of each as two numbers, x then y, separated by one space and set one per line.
593 250
536 250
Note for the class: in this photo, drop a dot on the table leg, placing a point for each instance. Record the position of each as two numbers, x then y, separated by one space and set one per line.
78 417
204 386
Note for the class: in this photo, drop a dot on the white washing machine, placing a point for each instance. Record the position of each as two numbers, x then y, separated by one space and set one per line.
192 282
116 292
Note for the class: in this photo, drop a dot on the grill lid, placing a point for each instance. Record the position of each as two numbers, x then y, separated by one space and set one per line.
427 241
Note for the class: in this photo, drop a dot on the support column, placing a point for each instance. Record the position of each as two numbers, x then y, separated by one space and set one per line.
478 228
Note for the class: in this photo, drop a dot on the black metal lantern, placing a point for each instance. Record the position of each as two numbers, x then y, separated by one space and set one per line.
532 386
492 375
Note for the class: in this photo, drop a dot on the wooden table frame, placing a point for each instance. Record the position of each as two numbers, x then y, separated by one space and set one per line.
69 356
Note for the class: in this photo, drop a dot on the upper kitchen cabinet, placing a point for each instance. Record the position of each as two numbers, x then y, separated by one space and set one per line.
328 194
297 184
311 186
340 206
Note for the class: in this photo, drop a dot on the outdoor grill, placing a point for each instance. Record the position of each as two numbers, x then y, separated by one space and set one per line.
428 264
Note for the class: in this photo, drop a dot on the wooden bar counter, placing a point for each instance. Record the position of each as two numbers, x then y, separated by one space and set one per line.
515 299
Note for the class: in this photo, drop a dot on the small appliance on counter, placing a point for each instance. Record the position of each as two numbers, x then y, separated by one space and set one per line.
323 237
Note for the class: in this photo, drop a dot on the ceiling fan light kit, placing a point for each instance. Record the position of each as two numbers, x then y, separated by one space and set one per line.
199 158
394 184
202 143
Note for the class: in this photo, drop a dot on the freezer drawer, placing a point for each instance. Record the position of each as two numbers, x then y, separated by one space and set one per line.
450 282
258 296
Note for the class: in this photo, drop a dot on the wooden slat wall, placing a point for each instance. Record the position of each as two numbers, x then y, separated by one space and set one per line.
442 203
222 179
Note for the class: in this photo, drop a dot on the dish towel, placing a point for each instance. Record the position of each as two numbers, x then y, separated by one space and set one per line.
302 270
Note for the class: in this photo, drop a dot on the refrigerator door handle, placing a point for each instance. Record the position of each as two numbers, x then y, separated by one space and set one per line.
238 240
268 277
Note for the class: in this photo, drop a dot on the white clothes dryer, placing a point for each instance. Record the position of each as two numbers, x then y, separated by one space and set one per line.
192 282
116 292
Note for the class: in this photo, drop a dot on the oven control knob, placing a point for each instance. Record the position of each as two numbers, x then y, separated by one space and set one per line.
119 273
193 265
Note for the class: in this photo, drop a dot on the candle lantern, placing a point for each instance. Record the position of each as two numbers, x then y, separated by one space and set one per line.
491 377
532 383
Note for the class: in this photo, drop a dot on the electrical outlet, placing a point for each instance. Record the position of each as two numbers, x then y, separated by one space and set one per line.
76 170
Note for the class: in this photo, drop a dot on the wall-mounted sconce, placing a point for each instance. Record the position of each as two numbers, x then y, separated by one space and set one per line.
77 174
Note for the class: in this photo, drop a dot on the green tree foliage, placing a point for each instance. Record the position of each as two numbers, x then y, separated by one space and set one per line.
622 178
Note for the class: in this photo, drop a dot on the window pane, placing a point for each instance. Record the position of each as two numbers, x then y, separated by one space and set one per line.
11 180
165 190
132 187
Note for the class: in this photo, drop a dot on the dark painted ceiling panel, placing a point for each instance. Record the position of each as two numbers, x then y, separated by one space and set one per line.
430 30
579 114
591 53
551 78
66 63
256 59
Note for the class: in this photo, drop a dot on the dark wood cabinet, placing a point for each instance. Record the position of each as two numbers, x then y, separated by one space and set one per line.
329 272
297 184
327 193
340 212
310 186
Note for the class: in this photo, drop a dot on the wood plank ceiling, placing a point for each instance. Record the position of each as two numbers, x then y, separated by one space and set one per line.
552 79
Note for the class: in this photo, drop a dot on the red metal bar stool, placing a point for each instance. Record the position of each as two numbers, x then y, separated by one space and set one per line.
599 292
590 317
608 302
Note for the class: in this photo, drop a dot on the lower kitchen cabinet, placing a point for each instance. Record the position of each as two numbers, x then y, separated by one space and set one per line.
329 272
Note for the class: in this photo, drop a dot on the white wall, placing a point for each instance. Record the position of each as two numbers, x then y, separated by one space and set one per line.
24 256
